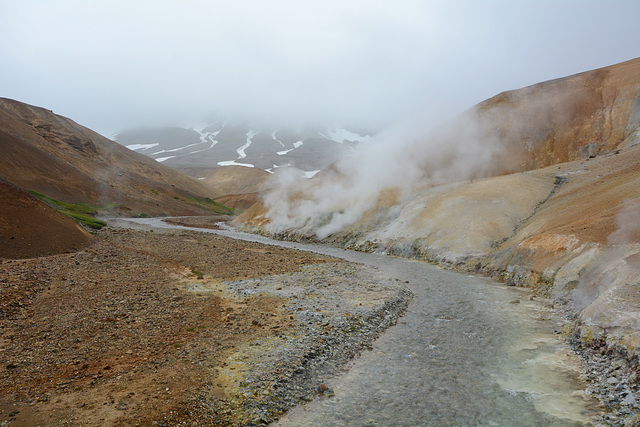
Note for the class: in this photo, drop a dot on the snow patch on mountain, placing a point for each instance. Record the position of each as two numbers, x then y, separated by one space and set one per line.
213 143
295 145
306 174
162 159
272 169
273 135
141 147
233 163
206 137
175 149
241 153
342 135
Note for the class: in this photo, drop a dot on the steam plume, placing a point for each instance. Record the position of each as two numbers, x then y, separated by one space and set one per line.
398 162
619 264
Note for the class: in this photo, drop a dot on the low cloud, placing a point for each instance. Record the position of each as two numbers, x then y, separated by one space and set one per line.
110 65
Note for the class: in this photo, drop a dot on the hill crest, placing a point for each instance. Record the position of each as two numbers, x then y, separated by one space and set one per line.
55 156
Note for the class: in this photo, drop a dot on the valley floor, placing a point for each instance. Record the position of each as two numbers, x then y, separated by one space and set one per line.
163 327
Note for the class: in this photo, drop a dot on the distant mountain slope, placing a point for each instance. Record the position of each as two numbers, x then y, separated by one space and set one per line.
29 228
55 156
236 179
219 144
240 185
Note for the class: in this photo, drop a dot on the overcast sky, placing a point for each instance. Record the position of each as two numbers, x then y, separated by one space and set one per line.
111 65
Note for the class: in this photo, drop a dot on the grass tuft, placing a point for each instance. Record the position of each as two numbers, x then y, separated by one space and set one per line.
213 206
82 213
87 220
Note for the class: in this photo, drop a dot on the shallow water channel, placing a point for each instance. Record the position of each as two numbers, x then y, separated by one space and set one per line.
469 351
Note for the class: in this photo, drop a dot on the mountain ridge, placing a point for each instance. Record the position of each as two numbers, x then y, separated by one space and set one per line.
72 167
55 156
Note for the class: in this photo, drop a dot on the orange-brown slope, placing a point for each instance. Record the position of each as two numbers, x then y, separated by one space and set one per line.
29 228
587 204
55 156
566 119
236 179
238 184
586 211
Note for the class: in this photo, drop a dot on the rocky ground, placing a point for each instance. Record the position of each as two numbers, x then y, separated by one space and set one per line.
179 328
615 385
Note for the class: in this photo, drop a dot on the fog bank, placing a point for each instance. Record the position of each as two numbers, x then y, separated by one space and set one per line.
114 65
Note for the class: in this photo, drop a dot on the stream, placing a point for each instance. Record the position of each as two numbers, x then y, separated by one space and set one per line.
468 351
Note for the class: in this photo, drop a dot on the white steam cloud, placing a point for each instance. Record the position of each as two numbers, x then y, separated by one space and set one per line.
501 135
627 224
616 266
397 163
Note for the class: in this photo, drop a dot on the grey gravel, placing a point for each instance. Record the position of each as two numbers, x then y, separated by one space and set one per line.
337 318
614 383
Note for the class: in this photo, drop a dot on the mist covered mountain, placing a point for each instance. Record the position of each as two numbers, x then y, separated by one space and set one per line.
205 147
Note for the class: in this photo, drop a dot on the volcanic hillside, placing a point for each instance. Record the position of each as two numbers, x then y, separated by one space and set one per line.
537 187
566 119
53 155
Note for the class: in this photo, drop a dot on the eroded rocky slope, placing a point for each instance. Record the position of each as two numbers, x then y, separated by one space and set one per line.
161 327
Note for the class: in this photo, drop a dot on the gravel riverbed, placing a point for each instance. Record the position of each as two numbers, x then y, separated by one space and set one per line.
174 327
339 309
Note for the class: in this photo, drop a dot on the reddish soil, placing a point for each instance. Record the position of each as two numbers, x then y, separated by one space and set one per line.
29 228
110 335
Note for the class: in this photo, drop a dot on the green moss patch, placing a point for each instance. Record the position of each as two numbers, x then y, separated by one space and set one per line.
213 206
82 213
